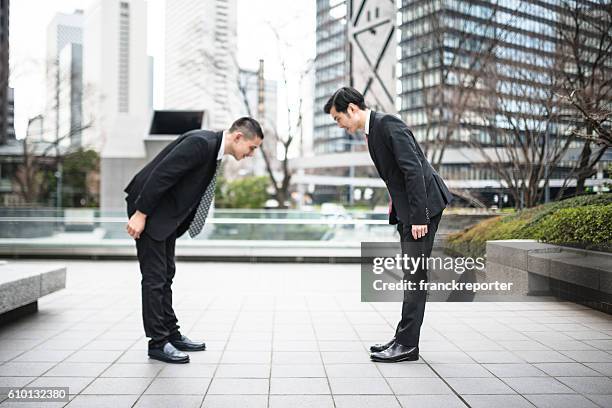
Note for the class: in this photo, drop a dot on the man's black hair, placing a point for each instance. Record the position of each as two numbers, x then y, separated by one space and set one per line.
248 126
341 99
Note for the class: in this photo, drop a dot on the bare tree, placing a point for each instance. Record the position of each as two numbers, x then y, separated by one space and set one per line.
527 136
37 159
585 48
447 99
29 177
280 178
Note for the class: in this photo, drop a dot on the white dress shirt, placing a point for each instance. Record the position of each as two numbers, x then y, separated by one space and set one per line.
367 122
222 148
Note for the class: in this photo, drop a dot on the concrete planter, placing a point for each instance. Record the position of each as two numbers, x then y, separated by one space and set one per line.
536 269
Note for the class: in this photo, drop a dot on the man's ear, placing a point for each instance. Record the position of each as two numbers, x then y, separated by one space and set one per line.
238 136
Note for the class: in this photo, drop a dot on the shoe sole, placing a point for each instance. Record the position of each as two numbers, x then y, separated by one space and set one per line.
167 360
407 358
191 349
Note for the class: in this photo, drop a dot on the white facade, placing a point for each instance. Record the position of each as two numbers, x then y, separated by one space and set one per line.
63 32
201 71
70 95
115 76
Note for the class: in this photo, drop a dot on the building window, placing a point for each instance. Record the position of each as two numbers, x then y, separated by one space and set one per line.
124 57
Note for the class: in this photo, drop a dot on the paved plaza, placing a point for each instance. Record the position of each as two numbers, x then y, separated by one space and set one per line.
296 335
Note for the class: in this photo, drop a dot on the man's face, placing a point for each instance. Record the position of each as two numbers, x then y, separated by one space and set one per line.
346 120
243 147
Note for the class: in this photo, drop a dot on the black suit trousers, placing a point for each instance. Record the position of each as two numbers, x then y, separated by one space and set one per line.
157 267
413 306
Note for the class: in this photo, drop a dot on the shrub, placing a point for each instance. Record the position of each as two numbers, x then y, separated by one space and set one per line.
530 224
586 227
246 192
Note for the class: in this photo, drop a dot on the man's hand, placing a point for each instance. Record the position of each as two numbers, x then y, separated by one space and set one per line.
419 231
136 224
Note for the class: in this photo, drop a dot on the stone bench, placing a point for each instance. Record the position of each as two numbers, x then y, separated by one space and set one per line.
536 268
22 284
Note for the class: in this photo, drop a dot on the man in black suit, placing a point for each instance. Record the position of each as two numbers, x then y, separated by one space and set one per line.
418 197
169 196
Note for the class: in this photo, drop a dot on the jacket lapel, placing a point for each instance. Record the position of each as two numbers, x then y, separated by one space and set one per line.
372 140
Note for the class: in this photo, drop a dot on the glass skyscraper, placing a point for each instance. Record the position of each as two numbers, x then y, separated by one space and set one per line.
331 72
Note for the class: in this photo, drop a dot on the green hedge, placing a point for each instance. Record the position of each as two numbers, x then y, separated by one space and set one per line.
547 223
586 227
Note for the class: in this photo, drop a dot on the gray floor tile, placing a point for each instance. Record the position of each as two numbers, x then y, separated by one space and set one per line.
94 356
413 386
497 401
18 404
179 386
560 401
567 370
589 356
485 386
15 381
601 400
524 345
40 355
301 401
600 344
430 401
296 357
407 369
544 356
309 345
77 369
366 401
491 357
514 370
210 357
352 370
235 401
339 357
341 346
357 386
229 386
8 354
75 384
132 370
603 368
102 401
245 357
188 370
537 385
169 401
588 385
298 370
302 386
243 371
461 370
117 386
109 345
24 369
443 357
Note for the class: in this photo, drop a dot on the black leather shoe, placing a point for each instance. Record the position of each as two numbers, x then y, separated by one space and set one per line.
169 354
381 347
185 344
395 353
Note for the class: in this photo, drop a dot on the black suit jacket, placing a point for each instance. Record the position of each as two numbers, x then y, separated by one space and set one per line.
417 191
170 187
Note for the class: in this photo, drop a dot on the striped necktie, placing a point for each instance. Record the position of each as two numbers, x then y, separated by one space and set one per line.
202 212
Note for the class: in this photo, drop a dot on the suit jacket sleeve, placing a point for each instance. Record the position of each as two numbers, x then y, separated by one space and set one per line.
188 154
405 152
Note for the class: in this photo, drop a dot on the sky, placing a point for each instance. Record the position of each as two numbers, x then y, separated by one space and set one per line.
258 20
